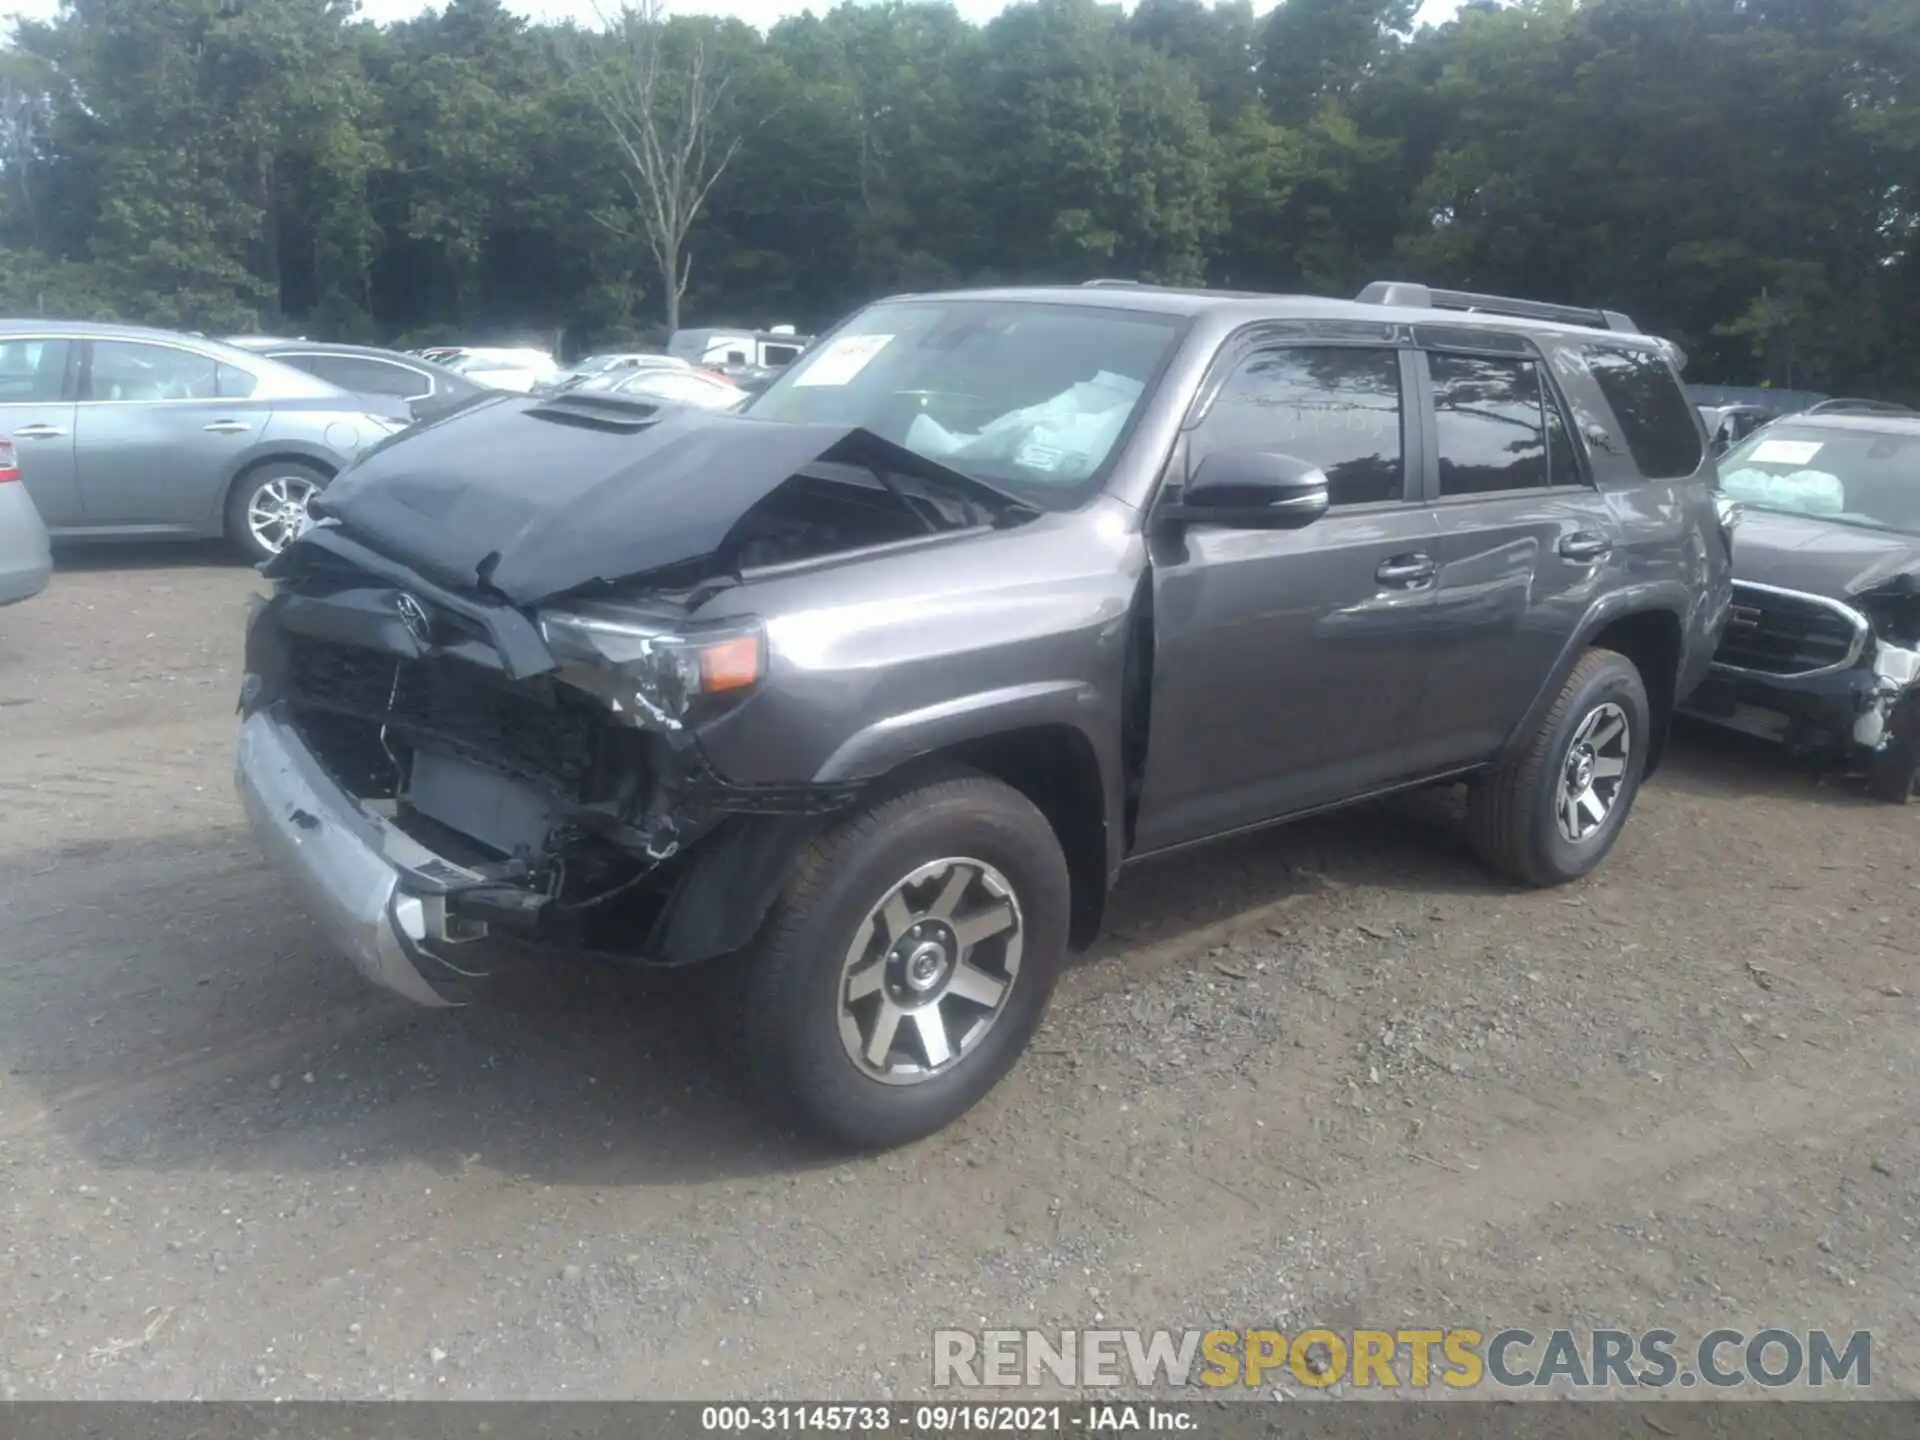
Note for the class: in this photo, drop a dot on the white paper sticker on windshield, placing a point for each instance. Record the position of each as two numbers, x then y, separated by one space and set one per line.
841 360
1785 452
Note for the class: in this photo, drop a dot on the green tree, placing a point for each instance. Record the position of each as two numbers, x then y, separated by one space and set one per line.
202 126
1093 151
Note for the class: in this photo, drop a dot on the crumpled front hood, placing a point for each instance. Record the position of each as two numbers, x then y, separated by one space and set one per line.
533 499
1795 552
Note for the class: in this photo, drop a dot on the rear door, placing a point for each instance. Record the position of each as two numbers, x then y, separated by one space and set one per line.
160 429
1285 667
38 374
1524 539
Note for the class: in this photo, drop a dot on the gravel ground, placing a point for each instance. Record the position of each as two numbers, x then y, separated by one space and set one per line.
1331 1075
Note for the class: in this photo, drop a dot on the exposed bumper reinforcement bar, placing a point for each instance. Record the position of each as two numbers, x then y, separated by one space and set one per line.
379 894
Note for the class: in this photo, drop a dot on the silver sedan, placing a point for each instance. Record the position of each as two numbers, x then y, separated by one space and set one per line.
124 433
26 563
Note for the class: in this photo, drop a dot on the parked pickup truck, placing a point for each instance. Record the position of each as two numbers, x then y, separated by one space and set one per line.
865 698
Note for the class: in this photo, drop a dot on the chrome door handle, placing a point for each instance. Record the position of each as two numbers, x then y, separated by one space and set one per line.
227 427
1584 547
1406 570
38 432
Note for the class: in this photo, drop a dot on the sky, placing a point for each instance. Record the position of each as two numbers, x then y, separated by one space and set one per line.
760 13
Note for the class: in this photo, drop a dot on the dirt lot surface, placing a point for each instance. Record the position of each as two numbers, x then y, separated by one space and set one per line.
1334 1075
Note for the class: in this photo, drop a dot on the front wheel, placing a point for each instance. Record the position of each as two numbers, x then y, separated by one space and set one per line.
1552 814
268 507
905 967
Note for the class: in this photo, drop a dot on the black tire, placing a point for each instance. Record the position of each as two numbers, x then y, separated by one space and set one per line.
240 533
779 1006
1512 814
1891 773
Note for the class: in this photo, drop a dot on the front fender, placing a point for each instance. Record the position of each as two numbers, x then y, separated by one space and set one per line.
896 739
955 724
735 875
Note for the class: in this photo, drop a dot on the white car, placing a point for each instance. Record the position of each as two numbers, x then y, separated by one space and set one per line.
675 387
506 369
601 370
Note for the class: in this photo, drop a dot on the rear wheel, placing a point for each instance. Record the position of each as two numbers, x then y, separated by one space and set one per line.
268 506
906 965
1553 813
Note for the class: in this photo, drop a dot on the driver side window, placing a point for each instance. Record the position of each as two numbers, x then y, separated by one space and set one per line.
1334 406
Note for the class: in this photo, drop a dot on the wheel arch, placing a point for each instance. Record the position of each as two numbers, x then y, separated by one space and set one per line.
1651 639
311 456
1055 767
733 878
1647 626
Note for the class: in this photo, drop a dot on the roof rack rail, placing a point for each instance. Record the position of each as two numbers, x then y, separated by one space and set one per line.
1422 297
1859 407
1108 284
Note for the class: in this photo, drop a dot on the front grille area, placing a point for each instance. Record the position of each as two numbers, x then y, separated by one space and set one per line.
1783 633
532 730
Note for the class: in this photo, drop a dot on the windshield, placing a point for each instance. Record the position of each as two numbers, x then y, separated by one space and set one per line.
1030 397
1855 477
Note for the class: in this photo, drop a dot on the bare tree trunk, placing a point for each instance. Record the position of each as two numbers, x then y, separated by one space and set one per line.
675 285
666 119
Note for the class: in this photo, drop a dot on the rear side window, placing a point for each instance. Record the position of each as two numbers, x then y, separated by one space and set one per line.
366 376
1333 406
1499 426
235 384
1655 416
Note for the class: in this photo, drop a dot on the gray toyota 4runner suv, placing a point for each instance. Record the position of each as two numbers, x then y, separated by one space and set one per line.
865 698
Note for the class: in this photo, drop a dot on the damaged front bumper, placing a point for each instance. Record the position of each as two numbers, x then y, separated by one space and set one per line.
453 798
1848 714
379 894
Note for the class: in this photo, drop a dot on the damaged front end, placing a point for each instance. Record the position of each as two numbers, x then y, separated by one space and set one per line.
1892 612
1835 679
457 780
553 802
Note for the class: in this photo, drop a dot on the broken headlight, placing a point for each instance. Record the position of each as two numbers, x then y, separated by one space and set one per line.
1893 608
656 673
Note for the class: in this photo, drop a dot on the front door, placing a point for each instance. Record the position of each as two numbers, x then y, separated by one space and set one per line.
1285 662
37 414
157 437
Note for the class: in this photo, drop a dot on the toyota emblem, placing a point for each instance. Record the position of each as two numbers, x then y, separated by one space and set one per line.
414 616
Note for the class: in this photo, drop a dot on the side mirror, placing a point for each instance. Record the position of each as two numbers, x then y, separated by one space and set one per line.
1252 490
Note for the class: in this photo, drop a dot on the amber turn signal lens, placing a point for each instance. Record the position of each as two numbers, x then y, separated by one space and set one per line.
730 664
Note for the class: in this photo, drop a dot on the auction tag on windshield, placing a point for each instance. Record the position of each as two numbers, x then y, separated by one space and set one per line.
1784 452
841 360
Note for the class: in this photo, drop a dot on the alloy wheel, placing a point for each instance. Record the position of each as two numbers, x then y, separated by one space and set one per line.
929 971
277 511
1594 772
